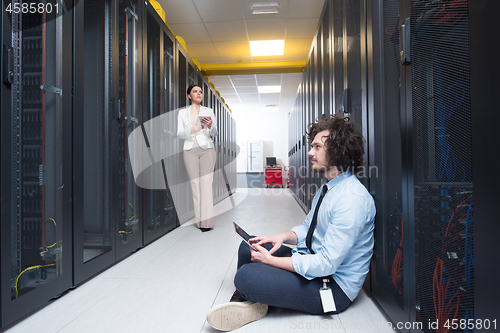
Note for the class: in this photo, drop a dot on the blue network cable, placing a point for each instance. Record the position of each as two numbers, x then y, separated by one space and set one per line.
446 106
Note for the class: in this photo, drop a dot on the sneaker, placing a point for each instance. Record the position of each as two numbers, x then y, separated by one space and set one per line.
233 315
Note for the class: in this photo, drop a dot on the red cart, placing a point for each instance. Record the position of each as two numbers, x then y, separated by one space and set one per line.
273 176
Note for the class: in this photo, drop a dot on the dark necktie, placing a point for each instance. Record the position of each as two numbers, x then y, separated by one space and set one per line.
315 220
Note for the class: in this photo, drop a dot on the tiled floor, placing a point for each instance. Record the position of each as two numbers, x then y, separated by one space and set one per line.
170 285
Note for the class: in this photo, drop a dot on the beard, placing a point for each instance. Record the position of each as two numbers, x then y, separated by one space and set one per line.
319 169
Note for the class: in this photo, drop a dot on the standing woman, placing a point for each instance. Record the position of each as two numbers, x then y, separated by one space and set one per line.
199 155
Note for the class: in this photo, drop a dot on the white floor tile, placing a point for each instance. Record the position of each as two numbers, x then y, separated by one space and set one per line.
170 285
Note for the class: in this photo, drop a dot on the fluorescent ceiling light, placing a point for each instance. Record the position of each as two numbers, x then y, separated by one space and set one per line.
269 89
267 47
271 8
270 108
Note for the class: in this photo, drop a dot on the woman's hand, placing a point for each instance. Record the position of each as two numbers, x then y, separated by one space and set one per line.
275 240
207 121
196 129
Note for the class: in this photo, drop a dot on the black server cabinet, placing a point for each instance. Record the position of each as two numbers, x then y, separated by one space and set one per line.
107 66
170 219
423 272
484 87
94 232
126 106
326 66
185 208
36 240
440 198
152 199
385 156
159 213
338 54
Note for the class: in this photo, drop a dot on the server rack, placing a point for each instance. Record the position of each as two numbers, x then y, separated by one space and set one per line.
441 163
429 253
401 70
386 146
170 219
36 186
483 85
186 209
72 91
126 106
153 199
94 127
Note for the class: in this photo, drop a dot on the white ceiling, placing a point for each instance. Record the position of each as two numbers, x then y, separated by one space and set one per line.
219 31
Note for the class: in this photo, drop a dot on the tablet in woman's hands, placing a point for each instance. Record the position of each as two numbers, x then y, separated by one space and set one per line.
198 121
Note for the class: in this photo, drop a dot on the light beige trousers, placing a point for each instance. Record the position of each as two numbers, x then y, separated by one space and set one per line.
200 168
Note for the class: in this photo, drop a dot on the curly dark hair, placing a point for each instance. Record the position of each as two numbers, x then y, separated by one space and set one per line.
344 144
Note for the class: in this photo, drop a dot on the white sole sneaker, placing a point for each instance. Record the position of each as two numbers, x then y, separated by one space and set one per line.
233 315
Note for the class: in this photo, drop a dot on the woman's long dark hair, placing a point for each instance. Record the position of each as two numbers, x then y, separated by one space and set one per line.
344 144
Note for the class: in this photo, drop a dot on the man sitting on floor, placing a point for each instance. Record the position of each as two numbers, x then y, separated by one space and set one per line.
334 243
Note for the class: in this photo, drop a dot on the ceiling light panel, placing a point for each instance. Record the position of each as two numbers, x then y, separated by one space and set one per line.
267 47
271 8
269 89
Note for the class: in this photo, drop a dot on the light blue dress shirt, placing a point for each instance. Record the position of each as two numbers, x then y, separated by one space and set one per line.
343 238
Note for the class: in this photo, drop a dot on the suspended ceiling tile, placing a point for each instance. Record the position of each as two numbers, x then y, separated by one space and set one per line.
246 90
221 81
268 81
301 28
227 31
244 82
289 93
292 75
179 11
202 50
240 77
233 49
249 97
191 32
227 92
269 99
219 10
292 81
217 77
266 29
233 103
297 47
268 76
305 9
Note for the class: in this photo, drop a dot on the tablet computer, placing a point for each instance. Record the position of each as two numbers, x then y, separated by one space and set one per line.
198 121
246 237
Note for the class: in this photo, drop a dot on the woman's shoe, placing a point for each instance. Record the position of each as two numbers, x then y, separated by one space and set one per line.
205 229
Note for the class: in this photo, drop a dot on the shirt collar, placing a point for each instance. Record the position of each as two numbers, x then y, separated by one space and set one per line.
337 179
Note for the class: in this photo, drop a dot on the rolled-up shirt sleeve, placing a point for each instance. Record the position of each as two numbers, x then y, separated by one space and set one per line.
345 223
